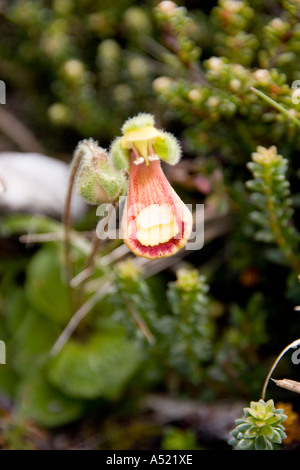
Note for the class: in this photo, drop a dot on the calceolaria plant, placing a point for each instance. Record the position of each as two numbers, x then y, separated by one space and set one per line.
155 223
260 428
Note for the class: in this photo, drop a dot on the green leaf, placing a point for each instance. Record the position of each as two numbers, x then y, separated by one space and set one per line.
14 306
261 443
178 439
42 403
267 431
251 432
245 444
275 419
45 289
9 380
98 367
32 342
277 438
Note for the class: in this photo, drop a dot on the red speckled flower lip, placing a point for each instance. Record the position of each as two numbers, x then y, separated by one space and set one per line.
156 223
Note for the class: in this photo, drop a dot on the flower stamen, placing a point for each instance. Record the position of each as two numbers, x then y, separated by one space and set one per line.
152 158
139 161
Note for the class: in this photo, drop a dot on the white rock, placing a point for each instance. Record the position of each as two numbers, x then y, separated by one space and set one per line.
37 184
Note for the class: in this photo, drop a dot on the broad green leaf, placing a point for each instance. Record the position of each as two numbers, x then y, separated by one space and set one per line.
98 367
45 287
32 342
262 443
42 403
9 379
14 307
245 444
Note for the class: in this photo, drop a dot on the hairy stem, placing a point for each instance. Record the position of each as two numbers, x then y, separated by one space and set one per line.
67 220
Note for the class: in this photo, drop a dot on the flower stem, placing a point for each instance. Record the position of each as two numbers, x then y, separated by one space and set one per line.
276 105
79 315
67 219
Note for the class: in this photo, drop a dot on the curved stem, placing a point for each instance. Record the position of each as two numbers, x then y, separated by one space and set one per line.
96 242
67 217
294 344
78 316
276 105
92 301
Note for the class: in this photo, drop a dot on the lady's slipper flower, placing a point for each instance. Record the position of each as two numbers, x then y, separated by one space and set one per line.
156 223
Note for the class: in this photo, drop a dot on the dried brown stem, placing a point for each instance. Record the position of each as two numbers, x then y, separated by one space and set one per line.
78 317
141 324
288 384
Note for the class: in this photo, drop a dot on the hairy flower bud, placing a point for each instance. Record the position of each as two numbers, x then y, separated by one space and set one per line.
97 180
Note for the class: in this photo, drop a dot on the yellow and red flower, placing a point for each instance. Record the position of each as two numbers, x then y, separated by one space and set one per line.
156 223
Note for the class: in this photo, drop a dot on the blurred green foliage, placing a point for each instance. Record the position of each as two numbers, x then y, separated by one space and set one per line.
207 327
78 66
179 439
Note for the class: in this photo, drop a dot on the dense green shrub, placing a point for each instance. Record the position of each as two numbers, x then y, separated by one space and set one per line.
204 327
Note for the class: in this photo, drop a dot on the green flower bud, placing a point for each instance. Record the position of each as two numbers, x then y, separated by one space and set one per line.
122 94
167 7
127 270
63 7
190 280
109 51
136 21
73 70
59 114
162 84
97 180
138 68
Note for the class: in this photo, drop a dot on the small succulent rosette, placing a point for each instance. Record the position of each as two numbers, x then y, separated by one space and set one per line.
155 223
260 428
